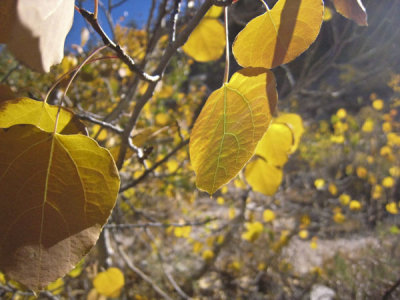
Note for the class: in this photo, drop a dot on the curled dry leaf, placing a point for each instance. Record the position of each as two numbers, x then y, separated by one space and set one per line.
353 10
279 35
56 193
231 123
35 30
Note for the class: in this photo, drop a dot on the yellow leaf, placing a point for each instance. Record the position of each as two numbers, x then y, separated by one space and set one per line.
207 41
327 14
368 126
295 123
339 218
268 215
75 272
303 234
392 208
263 177
319 183
208 254
378 104
279 35
361 172
56 193
162 119
352 9
56 287
355 205
344 199
214 12
341 113
388 182
276 144
231 123
253 231
40 114
332 189
109 283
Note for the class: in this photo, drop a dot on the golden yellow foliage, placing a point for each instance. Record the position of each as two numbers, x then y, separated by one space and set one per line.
233 120
278 35
110 282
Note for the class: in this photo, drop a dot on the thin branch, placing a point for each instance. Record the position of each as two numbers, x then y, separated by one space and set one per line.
86 117
146 278
391 290
175 15
153 167
161 225
117 48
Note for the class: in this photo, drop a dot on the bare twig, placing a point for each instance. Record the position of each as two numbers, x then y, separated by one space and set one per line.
146 278
117 48
162 225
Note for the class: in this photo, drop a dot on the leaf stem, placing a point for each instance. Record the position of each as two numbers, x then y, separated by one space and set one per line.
87 59
265 5
227 53
96 9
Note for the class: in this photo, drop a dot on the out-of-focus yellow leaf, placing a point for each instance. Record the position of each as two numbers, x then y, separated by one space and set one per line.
352 9
263 177
207 41
279 35
40 114
276 144
327 14
56 193
231 123
109 283
56 287
75 272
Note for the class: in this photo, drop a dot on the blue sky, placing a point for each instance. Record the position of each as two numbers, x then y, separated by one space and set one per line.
136 10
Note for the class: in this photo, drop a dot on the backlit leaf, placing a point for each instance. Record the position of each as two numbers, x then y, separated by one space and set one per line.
263 177
40 114
109 283
56 193
37 31
295 123
276 144
279 35
231 123
214 12
352 9
207 41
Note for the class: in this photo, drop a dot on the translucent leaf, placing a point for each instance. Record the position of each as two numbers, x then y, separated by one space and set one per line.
109 283
40 114
207 41
276 144
263 177
37 31
295 122
214 12
56 193
279 35
231 123
352 9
